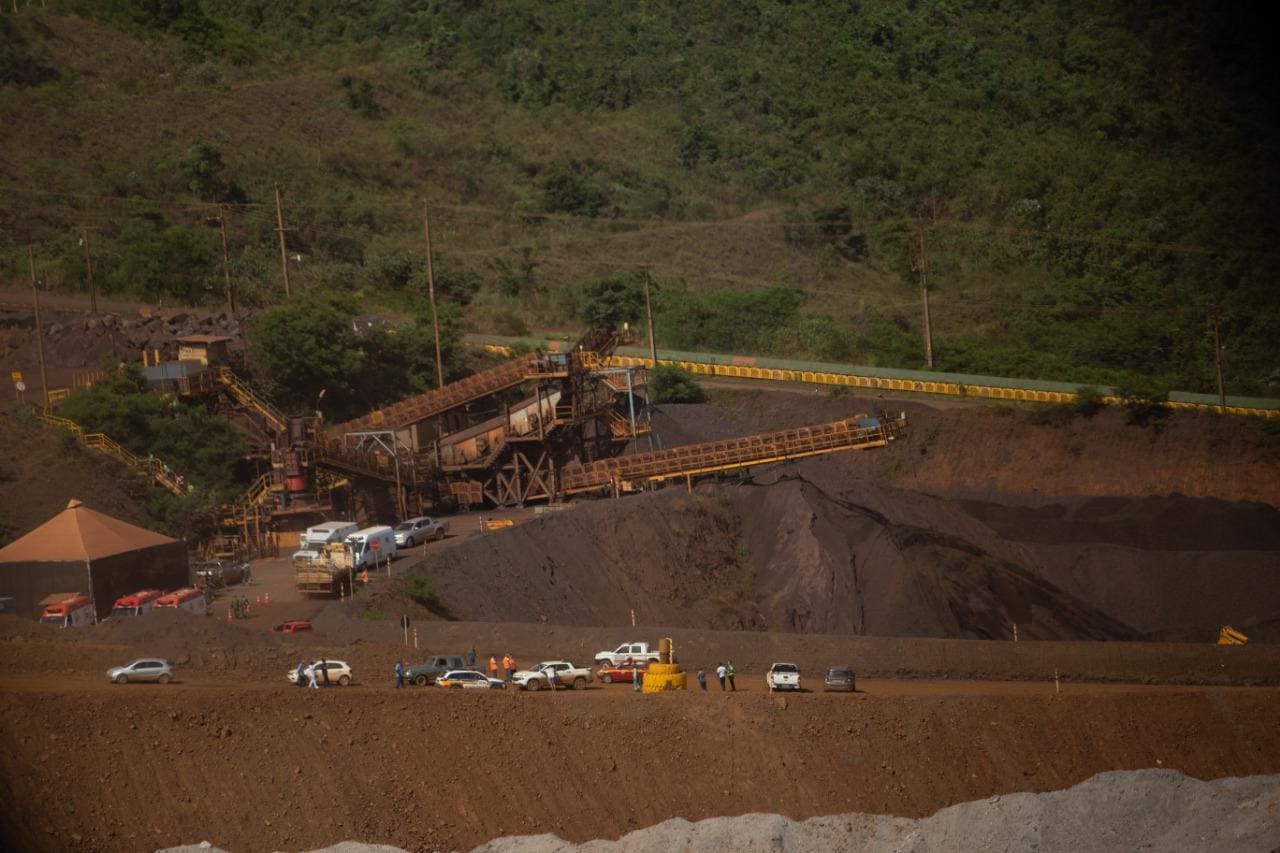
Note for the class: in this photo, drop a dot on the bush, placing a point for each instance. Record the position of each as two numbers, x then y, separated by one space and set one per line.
1088 401
421 588
670 384
1145 406
565 191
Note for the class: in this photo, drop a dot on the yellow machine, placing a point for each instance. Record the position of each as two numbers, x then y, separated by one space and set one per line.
666 674
1229 636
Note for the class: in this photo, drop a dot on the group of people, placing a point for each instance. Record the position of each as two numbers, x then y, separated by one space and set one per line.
508 665
307 675
724 672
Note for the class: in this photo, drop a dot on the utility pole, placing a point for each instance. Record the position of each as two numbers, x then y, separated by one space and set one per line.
284 253
88 268
648 310
226 263
924 292
431 296
35 299
1217 360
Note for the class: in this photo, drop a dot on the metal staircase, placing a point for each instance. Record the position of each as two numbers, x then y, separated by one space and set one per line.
150 467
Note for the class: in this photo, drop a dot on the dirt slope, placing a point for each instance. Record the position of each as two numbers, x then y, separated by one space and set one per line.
270 768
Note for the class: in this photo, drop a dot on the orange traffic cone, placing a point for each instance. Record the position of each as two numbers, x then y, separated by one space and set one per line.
228 614
266 598
257 599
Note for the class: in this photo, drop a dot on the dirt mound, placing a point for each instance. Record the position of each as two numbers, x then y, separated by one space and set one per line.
17 629
806 548
1162 809
185 639
878 561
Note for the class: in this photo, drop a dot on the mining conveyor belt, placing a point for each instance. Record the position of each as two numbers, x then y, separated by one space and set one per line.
858 433
436 402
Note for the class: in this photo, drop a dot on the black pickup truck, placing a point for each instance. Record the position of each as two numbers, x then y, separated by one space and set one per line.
435 666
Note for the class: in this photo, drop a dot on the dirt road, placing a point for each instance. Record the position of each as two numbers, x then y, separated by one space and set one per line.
437 769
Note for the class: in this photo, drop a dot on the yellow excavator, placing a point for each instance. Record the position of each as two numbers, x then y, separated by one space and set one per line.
1229 636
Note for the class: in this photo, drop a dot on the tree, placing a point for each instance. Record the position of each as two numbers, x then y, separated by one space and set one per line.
565 191
671 384
205 170
158 263
610 302
304 346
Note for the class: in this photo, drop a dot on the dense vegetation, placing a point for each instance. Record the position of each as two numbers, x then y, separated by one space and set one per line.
1089 183
197 441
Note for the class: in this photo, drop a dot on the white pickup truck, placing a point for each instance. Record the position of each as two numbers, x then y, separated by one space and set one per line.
625 652
783 676
564 673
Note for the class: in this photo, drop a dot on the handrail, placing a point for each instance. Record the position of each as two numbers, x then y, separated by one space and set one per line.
891 379
728 454
150 467
242 391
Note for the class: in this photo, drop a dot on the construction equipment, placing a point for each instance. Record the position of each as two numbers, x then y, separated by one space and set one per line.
666 674
1229 636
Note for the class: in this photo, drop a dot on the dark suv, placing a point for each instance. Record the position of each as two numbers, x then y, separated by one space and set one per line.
840 678
437 665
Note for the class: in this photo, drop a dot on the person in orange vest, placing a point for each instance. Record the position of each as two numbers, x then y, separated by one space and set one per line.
493 667
507 668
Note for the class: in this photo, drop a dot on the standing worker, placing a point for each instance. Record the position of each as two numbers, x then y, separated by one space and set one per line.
728 671
399 674
702 679
311 674
493 667
471 658
301 679
720 671
324 672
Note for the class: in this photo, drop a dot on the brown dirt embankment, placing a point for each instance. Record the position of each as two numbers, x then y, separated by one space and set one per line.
435 769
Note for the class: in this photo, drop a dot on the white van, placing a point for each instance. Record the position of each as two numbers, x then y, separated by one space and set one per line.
311 544
364 554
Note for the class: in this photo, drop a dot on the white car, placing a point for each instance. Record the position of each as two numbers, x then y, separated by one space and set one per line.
469 679
414 531
339 673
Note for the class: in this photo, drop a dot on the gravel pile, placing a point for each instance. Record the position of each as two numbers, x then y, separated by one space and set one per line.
1120 811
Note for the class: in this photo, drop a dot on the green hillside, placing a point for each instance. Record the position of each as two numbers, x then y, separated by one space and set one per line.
1091 182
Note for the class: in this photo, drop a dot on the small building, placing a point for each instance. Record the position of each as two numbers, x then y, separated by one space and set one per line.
82 549
206 349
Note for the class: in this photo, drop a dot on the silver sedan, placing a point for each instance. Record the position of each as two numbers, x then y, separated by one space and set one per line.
143 669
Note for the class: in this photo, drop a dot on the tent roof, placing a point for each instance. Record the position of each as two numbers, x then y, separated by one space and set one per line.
79 533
